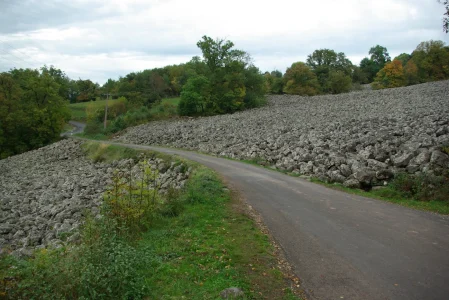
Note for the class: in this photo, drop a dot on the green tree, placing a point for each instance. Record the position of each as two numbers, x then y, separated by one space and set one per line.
378 58
273 82
32 112
325 61
299 79
235 84
391 76
432 59
403 58
338 82
195 97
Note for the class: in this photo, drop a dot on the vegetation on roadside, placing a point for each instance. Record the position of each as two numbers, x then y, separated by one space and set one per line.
121 115
32 113
423 192
191 244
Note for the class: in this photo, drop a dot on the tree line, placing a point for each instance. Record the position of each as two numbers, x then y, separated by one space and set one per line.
328 72
33 103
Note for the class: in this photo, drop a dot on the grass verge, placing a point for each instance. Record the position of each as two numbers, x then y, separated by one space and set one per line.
206 247
390 195
78 110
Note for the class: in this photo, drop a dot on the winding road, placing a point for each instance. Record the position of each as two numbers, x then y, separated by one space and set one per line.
342 246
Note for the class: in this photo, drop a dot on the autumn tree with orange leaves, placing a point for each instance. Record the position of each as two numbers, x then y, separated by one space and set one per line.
391 76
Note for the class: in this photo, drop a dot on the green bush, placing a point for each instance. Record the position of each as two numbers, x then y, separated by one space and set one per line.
422 187
339 82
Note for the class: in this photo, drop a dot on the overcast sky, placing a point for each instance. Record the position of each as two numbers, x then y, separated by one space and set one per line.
101 39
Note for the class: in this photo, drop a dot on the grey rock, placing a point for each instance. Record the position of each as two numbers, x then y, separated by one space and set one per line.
365 176
352 183
440 159
402 160
384 174
232 293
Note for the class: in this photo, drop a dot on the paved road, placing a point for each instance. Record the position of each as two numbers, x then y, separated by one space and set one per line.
78 128
343 246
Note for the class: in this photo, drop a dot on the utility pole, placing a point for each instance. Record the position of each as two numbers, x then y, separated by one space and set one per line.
106 111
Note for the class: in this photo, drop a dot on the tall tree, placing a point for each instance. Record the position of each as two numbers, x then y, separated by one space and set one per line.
445 15
299 79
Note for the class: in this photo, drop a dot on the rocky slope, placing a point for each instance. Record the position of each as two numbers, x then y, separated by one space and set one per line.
360 138
45 193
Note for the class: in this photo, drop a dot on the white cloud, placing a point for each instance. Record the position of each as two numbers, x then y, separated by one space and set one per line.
106 38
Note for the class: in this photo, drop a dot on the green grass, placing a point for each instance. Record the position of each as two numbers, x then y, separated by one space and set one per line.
387 193
390 195
160 109
78 110
210 245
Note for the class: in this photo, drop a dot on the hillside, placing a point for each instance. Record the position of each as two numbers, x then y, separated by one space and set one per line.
360 138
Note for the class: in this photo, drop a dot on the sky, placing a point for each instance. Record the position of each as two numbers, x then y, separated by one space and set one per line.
101 39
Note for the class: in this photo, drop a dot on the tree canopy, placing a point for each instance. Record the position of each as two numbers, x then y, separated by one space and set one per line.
32 111
224 81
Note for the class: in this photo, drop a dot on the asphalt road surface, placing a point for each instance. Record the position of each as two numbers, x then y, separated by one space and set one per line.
78 127
343 246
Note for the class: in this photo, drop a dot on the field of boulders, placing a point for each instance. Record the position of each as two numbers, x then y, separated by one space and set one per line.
45 194
359 139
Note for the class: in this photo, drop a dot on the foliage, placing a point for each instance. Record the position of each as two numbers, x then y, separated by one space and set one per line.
446 15
224 81
196 96
432 59
299 79
378 58
273 82
196 244
32 112
411 73
324 62
338 82
403 58
392 75
422 187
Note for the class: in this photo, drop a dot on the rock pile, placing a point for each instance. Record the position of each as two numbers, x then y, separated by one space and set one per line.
359 139
45 193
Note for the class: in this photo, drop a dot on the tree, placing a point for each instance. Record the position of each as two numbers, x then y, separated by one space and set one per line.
411 73
234 83
378 58
273 82
32 112
325 61
339 82
379 55
403 58
299 79
195 97
446 15
391 76
432 59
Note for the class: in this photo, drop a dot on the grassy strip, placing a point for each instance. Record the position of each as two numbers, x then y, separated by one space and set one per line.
194 254
387 193
390 195
211 247
78 110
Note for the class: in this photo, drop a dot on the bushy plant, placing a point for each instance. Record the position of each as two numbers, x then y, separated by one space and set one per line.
423 187
339 82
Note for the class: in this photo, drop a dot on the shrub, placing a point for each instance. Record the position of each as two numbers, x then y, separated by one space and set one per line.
422 187
301 80
339 82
